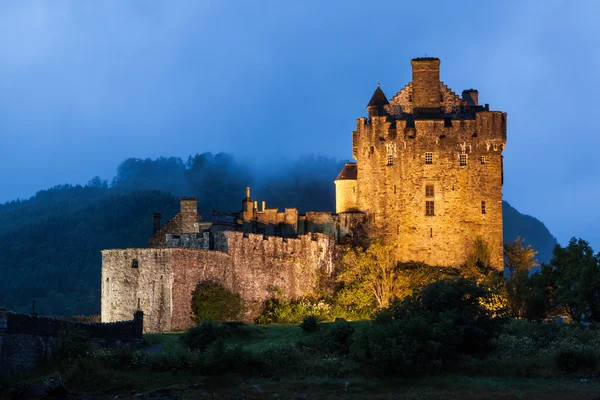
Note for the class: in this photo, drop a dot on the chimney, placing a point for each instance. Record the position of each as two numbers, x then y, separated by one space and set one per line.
248 192
256 205
471 96
155 222
264 205
188 213
426 82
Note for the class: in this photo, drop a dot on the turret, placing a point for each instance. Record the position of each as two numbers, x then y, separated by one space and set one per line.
376 106
426 83
247 206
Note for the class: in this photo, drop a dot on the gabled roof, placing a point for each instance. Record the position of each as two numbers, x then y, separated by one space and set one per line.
349 173
378 99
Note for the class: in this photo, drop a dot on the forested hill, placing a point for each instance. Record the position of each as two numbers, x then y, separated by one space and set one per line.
50 244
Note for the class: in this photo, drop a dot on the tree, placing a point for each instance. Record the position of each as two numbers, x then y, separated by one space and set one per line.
369 276
518 257
523 298
577 273
213 302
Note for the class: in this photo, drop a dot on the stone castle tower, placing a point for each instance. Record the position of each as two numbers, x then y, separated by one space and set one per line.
428 171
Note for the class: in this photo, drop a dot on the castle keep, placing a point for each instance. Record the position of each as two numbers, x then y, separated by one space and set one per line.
427 177
428 170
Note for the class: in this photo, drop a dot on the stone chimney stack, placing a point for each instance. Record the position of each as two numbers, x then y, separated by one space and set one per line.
426 83
155 222
264 205
471 96
188 213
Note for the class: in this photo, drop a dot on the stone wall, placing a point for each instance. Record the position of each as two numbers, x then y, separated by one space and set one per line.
394 196
28 340
256 267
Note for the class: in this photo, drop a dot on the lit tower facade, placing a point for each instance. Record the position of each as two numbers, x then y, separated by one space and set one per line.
428 170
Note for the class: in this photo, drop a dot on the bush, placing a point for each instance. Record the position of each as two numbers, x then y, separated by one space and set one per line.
282 311
430 331
574 360
341 332
73 343
309 324
203 335
212 302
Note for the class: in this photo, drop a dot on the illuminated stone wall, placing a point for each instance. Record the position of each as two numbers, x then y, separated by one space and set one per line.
394 196
253 266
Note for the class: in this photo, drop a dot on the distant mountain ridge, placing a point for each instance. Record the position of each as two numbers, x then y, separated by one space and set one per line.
51 242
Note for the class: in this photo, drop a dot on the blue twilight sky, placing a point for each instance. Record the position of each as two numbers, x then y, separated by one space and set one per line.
87 84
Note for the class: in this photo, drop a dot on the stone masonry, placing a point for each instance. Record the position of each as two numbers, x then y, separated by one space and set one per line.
428 178
429 170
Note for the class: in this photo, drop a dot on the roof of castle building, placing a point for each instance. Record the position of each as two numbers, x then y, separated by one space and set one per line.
378 99
349 172
218 218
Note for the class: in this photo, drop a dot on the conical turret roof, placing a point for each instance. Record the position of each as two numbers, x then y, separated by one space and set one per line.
378 99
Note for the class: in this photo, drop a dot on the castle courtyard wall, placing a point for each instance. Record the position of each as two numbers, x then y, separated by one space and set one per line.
256 267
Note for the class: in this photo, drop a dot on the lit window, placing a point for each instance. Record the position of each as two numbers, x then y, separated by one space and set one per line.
390 160
429 191
483 159
483 207
463 160
429 209
428 158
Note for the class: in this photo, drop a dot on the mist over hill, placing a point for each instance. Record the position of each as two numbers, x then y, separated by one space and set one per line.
51 242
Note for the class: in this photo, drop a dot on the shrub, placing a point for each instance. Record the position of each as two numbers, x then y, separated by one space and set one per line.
73 343
309 323
573 359
201 336
211 301
341 332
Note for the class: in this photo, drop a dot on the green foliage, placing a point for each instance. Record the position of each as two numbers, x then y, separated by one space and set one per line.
425 333
310 323
576 271
73 343
201 336
369 277
574 360
211 301
283 311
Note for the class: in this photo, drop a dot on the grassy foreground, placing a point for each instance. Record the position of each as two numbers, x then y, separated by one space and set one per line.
295 374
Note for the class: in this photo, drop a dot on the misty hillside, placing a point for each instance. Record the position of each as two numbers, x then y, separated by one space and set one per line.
51 242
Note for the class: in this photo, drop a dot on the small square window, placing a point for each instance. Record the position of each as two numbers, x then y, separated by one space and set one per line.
429 208
483 207
483 159
135 263
390 160
429 191
428 158
463 160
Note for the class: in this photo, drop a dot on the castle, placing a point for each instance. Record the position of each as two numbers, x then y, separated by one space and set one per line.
428 178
